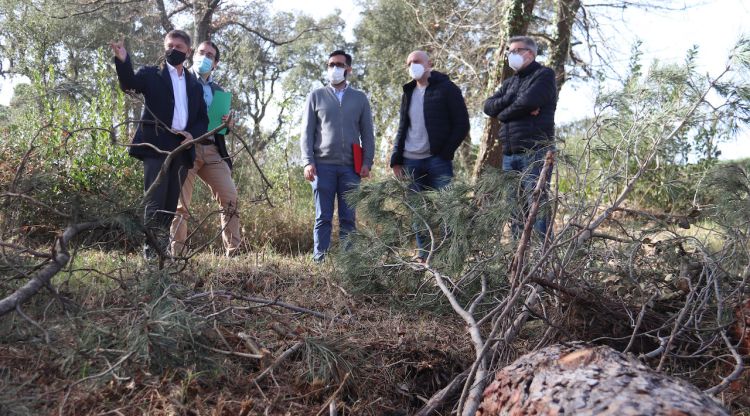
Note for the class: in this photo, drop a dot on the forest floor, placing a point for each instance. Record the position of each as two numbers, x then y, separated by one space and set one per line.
121 340
256 334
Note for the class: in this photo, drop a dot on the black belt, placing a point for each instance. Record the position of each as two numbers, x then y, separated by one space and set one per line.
206 142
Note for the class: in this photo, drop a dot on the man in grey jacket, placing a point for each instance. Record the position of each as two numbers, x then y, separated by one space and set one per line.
336 127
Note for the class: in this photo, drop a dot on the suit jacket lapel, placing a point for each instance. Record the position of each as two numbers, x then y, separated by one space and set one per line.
190 83
167 80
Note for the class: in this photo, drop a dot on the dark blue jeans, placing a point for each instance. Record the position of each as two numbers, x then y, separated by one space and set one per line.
331 184
529 166
432 173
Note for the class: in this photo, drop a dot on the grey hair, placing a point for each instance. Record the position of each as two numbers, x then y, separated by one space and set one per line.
529 42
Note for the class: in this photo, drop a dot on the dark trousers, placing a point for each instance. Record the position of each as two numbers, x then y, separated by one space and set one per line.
433 173
159 209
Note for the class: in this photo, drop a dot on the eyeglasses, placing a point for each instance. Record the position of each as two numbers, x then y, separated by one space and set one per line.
336 64
517 51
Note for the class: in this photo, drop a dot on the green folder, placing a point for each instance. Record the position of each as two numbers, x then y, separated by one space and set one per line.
220 107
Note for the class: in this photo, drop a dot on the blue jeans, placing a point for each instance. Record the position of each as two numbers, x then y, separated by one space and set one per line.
432 173
332 183
529 166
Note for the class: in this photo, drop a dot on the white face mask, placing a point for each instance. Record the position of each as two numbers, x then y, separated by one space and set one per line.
515 61
336 75
416 70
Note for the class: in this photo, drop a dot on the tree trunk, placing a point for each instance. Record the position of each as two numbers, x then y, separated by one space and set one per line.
578 379
163 16
59 257
464 159
203 13
565 16
516 22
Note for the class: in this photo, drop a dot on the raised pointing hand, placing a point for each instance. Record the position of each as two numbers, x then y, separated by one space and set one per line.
118 48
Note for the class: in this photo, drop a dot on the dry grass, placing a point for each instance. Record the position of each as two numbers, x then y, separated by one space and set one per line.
393 357
132 340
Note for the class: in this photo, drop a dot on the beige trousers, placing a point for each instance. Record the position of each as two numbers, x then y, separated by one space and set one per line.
210 167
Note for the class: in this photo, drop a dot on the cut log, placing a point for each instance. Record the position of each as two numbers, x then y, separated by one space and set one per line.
581 380
740 329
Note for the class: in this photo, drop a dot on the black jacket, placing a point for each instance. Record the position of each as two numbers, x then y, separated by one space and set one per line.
156 86
527 90
221 143
445 117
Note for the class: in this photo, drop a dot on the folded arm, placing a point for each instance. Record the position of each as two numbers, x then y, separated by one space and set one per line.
541 92
498 101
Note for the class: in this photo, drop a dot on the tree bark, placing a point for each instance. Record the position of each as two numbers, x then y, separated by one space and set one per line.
565 16
203 14
579 379
163 16
516 22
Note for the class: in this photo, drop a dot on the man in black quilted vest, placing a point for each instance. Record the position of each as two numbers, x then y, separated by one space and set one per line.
525 106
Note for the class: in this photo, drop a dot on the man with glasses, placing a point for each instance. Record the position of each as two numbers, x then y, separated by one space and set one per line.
212 164
336 130
525 105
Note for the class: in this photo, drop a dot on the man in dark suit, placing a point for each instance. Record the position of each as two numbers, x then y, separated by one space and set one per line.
174 111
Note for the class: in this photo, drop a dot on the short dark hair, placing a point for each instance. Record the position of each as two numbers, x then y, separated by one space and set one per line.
341 52
180 34
213 45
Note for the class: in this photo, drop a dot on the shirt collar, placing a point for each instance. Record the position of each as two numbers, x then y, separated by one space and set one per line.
531 67
207 81
173 70
339 91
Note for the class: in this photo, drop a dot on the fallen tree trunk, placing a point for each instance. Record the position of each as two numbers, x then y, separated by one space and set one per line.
583 380
60 257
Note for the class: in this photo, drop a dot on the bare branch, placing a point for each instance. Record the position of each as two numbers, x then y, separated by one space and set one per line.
41 278
265 36
267 302
163 16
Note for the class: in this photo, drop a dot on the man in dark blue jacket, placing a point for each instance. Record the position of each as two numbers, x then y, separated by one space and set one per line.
525 105
174 111
433 122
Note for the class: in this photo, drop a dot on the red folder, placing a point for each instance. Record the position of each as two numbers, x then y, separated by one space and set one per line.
357 152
